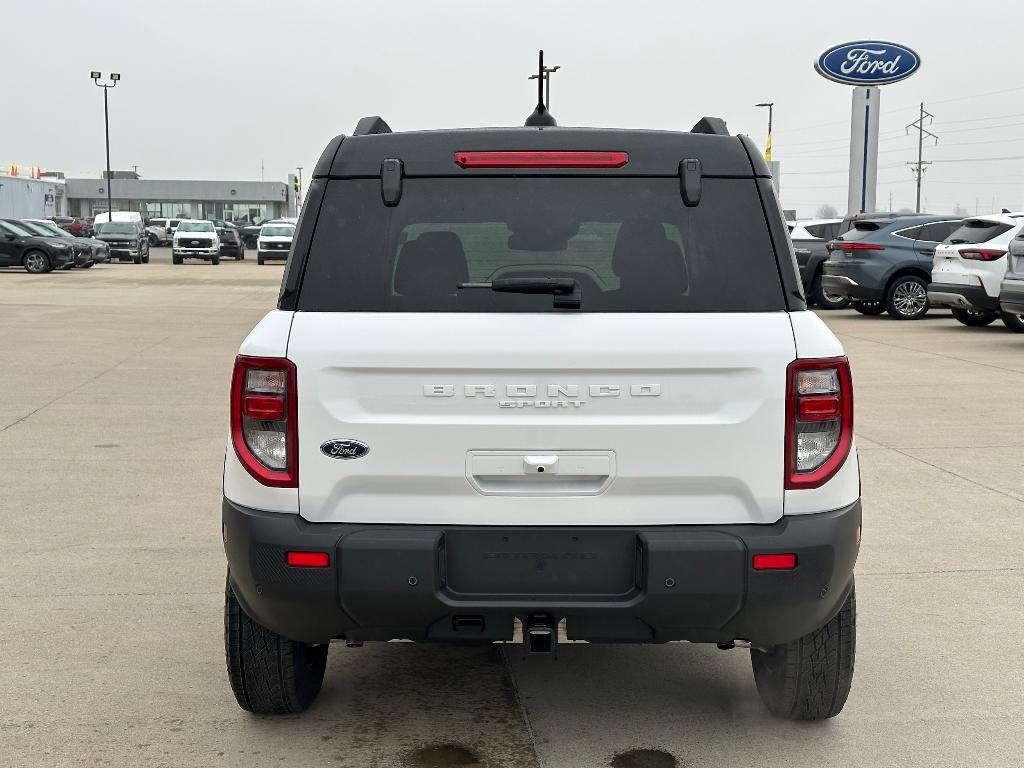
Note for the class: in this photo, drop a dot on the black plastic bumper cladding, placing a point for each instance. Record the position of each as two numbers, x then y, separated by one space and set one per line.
614 584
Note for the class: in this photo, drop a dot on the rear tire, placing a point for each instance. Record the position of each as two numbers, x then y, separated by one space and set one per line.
1014 322
153 239
868 307
974 318
269 674
824 300
809 678
907 298
89 265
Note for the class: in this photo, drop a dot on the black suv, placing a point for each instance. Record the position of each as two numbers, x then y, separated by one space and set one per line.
21 247
885 264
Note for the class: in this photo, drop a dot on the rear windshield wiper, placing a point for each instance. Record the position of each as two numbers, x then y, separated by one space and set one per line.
566 290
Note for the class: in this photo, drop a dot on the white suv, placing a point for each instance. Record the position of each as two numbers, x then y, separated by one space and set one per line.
196 239
969 268
548 380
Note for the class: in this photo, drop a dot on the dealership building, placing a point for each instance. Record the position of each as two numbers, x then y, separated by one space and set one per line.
180 198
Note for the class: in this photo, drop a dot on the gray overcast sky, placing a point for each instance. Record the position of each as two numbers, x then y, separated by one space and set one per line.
211 89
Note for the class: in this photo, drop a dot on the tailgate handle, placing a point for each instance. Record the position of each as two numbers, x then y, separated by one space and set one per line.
532 464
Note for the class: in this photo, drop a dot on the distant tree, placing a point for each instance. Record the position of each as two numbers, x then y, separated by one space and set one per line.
827 211
959 210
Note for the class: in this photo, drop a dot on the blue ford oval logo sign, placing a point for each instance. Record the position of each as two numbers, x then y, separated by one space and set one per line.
868 62
344 449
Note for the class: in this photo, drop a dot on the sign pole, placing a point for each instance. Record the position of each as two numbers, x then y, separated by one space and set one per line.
863 150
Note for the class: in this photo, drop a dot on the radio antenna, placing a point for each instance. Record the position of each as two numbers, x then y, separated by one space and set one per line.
540 116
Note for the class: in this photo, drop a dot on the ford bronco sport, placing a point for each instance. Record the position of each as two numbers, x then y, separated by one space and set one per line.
541 381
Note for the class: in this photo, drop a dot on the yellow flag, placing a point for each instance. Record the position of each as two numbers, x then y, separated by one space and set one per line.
768 149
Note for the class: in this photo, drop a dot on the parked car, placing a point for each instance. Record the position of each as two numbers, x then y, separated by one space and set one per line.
1011 292
275 241
162 229
196 239
127 239
230 239
809 239
969 268
21 247
88 250
251 232
77 227
520 394
885 264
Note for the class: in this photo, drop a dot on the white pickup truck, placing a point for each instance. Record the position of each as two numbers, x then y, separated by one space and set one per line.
531 381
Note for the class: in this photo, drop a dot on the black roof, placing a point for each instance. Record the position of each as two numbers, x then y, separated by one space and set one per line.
431 153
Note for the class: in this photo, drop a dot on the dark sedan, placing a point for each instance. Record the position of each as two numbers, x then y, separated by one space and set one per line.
885 264
88 250
20 247
231 243
127 240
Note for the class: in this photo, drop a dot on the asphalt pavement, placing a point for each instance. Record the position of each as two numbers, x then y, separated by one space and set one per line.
112 429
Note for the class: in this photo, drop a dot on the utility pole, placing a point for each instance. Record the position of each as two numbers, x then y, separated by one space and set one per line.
890 202
547 83
918 168
114 78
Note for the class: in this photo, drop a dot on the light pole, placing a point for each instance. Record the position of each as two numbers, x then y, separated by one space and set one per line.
768 145
547 84
114 77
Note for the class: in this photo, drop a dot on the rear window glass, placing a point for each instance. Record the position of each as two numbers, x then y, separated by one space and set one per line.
863 229
629 243
823 231
938 231
977 231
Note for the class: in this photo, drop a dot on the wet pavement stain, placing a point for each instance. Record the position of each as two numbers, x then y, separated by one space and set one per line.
444 756
644 758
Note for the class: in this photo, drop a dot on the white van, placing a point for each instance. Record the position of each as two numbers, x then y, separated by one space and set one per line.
103 218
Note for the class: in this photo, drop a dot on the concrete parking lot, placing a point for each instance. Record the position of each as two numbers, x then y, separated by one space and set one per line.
112 429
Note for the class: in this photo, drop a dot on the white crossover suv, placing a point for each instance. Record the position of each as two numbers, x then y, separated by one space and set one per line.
969 268
525 382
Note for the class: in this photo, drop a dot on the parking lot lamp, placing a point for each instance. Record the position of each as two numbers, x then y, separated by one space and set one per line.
768 144
114 77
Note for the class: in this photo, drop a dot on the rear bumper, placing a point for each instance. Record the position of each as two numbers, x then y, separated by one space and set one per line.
610 584
850 280
961 296
1011 297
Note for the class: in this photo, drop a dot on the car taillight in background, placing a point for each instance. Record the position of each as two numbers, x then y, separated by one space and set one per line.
982 254
264 419
819 420
840 245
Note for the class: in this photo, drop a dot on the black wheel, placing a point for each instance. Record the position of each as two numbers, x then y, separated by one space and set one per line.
153 239
215 260
868 307
825 300
177 259
145 259
138 258
260 260
36 262
87 265
809 678
241 253
1014 322
975 318
269 674
907 298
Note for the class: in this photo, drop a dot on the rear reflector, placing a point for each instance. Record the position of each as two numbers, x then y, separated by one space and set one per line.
784 562
541 159
818 408
309 559
265 407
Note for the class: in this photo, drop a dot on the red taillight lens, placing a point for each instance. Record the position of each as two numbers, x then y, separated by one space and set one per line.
819 420
855 246
308 559
574 159
783 562
264 415
982 254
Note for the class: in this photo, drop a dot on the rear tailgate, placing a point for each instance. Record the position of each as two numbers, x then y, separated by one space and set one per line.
671 419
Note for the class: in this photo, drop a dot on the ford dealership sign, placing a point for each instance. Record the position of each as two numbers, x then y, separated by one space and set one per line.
868 62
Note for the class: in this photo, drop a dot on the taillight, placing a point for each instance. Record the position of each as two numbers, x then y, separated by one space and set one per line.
819 420
856 246
982 254
561 159
264 415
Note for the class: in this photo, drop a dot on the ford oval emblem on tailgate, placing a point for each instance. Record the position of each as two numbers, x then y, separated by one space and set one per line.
344 449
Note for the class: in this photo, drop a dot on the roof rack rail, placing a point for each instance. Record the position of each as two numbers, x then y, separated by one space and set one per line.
712 125
370 125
